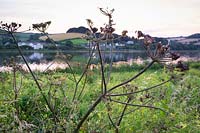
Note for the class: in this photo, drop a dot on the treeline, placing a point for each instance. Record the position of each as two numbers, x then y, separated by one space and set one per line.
6 42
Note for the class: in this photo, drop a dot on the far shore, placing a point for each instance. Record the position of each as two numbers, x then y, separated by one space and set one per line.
82 50
54 65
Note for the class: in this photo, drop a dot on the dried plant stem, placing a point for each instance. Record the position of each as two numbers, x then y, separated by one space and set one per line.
134 77
104 87
59 51
111 121
127 113
134 109
98 100
137 105
34 78
84 84
147 89
15 91
90 110
82 75
122 114
110 64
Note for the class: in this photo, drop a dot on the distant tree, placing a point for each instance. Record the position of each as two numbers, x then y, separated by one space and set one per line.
48 40
34 37
26 47
197 35
66 44
80 29
10 46
6 40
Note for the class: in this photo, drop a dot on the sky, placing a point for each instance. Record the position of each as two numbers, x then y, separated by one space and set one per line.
164 18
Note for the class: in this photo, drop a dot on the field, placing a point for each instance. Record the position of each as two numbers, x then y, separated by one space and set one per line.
100 93
26 110
63 36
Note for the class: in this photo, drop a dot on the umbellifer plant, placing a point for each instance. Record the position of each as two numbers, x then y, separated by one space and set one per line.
108 94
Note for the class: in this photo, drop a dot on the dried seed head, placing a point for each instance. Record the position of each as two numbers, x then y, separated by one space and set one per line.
124 33
174 55
13 24
12 27
107 12
89 22
101 29
181 66
139 34
159 45
148 40
111 29
48 22
41 27
94 30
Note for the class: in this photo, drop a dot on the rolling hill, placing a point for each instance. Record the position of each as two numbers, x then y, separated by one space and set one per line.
63 36
193 39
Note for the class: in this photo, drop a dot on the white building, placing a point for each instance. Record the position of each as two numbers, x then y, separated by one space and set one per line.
34 45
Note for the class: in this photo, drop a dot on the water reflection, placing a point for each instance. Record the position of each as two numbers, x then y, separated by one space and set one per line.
46 57
36 56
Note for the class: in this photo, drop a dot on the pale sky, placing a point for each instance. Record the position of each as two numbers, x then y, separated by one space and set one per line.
154 17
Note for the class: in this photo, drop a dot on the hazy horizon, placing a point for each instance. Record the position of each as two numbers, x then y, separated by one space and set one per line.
166 18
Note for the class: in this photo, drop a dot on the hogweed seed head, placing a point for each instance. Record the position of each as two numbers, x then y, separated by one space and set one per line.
12 27
124 33
41 27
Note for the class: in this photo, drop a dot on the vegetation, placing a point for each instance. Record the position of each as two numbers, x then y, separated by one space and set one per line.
100 98
63 36
180 99
75 35
78 41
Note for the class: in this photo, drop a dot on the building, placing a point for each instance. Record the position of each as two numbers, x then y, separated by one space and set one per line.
34 45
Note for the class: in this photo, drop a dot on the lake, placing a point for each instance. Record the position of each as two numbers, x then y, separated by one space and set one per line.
38 57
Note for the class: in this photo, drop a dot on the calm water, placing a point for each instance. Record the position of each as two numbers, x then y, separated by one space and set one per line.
45 57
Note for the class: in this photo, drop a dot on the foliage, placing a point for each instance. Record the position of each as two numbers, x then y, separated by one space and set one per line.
79 41
179 98
86 95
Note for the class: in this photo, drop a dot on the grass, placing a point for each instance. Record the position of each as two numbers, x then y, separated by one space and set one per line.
75 41
180 98
78 41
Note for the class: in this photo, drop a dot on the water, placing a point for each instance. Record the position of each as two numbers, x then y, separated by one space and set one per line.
49 56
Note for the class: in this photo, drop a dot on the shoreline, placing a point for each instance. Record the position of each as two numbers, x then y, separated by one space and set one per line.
83 51
50 66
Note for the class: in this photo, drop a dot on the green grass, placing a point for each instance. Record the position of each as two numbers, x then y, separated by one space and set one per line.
76 42
79 41
179 98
